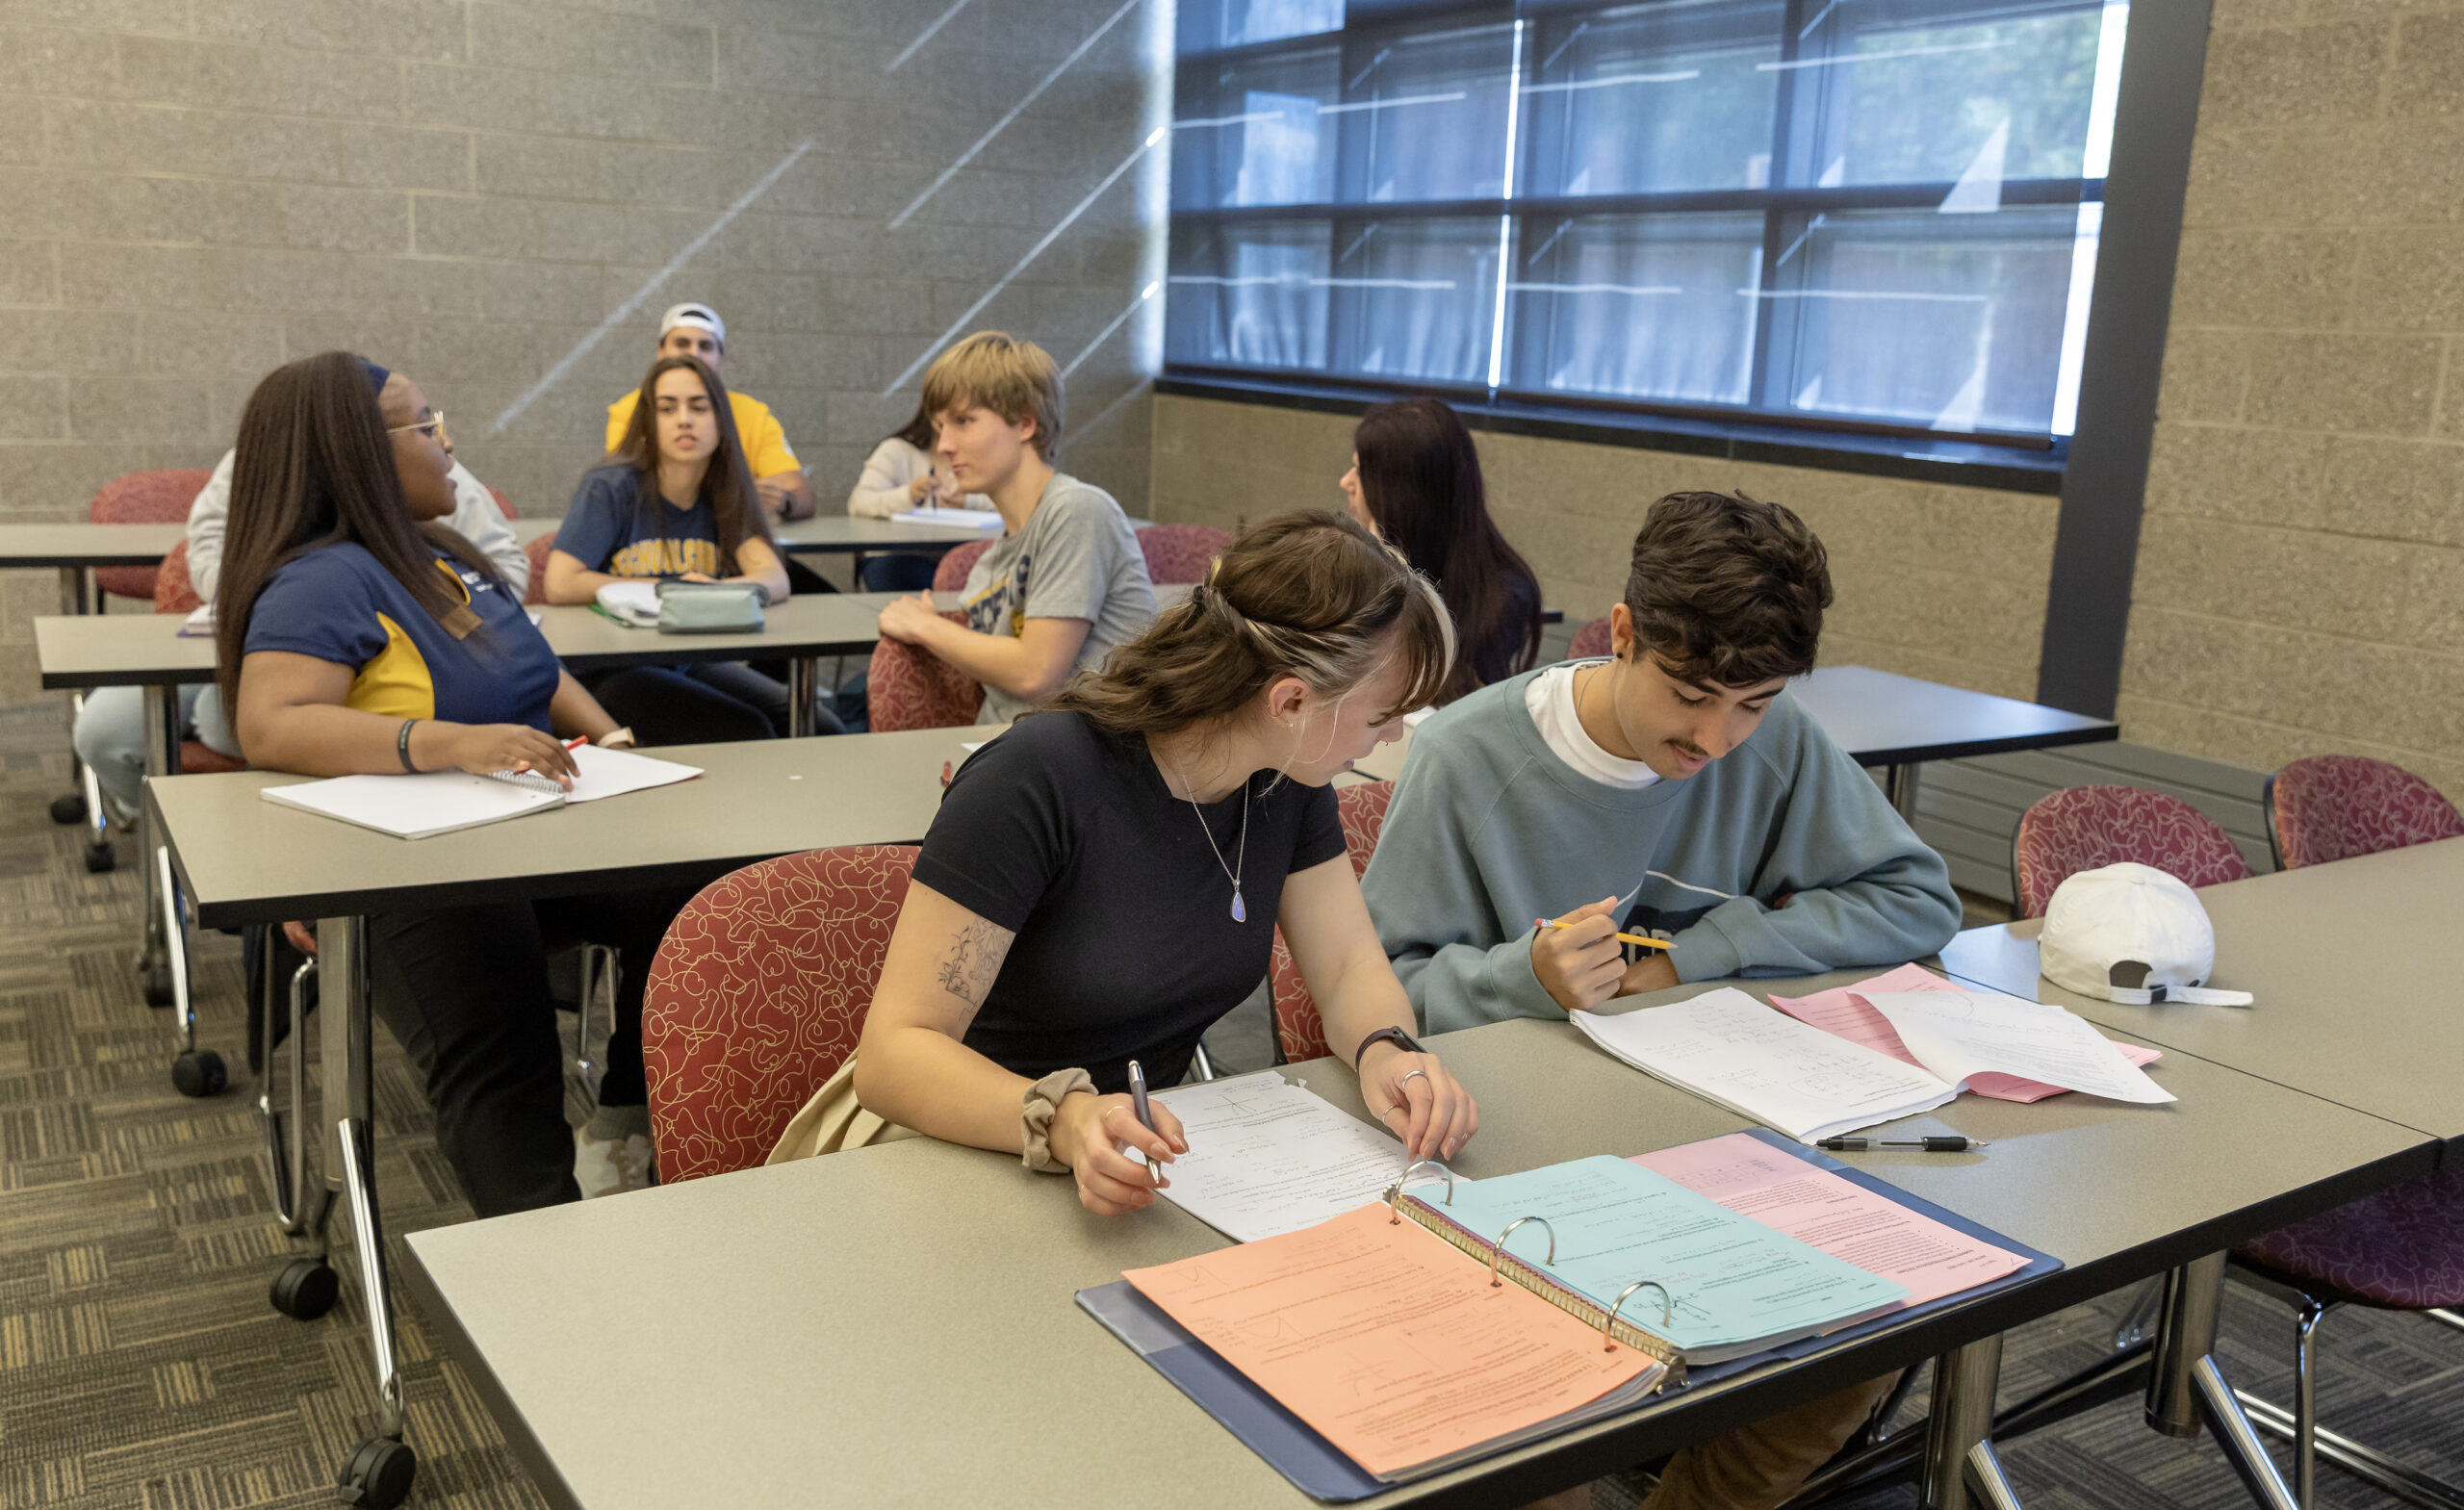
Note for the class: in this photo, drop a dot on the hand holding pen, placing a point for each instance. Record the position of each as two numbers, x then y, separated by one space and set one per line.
1090 1133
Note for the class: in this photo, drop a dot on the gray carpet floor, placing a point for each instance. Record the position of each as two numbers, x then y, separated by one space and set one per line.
141 1366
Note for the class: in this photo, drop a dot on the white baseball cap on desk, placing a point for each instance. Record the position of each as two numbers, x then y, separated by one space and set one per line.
2134 934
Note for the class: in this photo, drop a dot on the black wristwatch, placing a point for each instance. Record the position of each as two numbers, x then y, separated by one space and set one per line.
1397 1035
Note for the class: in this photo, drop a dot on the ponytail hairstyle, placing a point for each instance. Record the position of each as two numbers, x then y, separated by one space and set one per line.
314 467
1420 476
735 504
918 432
1309 595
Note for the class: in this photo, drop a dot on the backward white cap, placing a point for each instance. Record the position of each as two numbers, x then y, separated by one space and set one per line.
700 315
2134 923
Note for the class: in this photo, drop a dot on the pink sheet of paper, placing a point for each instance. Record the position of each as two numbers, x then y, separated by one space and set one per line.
1843 1012
1839 1216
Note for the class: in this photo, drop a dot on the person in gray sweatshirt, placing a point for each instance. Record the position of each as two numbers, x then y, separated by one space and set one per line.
1673 790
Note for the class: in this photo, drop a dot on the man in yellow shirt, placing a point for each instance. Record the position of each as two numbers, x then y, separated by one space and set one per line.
696 330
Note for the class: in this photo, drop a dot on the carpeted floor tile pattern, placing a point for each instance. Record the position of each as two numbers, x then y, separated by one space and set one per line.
140 1364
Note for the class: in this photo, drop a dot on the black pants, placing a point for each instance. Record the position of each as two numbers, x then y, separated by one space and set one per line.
693 704
465 992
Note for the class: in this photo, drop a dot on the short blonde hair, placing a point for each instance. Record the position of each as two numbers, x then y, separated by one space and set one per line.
1013 379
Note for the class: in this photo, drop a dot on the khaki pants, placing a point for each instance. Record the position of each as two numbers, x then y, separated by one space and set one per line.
1756 1467
833 1119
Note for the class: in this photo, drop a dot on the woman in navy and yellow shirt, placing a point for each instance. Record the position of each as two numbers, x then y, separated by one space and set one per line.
355 635
676 500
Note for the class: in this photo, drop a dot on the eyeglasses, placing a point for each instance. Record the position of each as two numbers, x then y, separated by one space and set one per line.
433 424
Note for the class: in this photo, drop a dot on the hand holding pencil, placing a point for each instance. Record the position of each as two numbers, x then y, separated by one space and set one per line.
1580 959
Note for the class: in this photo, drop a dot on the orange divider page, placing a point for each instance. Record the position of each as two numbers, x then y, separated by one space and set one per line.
1387 1341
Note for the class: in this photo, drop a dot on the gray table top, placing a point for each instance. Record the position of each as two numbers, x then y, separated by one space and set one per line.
877 785
788 1325
148 649
38 545
1881 717
243 860
2354 966
837 532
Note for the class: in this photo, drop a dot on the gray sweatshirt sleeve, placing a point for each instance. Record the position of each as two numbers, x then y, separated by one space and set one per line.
478 520
1432 907
207 518
1857 886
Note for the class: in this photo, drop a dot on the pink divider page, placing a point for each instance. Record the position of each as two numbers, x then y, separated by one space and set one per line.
1841 1010
1839 1216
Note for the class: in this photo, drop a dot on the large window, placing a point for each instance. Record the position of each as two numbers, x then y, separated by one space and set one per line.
1847 214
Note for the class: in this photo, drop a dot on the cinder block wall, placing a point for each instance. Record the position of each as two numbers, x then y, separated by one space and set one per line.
2300 583
1940 582
195 190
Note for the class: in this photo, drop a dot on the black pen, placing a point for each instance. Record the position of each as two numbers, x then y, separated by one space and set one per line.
1145 1115
1953 1144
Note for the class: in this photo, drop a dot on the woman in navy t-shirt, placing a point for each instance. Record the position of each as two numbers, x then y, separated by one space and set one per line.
676 500
355 635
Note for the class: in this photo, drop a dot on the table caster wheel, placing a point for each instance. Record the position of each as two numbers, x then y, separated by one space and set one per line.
304 1289
199 1072
378 1473
158 986
68 810
99 857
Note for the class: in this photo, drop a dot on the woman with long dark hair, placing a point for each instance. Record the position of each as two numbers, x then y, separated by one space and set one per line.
1103 882
1414 478
355 635
676 500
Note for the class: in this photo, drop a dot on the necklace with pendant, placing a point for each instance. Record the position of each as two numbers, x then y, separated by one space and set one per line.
1239 909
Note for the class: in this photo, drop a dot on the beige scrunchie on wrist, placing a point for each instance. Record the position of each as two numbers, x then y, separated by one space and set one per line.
1042 1099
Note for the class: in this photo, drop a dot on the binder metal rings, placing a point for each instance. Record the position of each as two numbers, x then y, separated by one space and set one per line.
1496 1249
1395 1192
1666 1308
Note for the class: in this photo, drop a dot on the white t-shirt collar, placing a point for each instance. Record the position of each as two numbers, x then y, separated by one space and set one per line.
1549 699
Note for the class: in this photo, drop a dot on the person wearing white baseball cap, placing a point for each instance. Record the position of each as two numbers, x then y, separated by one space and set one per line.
2131 933
691 329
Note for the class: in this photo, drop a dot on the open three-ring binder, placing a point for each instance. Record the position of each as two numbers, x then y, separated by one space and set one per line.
1344 1384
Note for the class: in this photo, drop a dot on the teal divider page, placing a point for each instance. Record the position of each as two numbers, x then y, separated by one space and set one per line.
1735 1282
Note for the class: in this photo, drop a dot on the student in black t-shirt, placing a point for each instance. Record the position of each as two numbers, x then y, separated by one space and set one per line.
676 500
1104 881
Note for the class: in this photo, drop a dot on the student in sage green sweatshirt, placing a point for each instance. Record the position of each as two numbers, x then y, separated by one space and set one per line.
1673 789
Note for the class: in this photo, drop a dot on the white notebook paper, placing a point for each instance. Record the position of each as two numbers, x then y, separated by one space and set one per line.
952 518
439 802
1728 1048
1268 1157
1961 1034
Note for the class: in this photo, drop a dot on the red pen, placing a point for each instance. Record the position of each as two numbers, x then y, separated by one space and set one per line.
577 741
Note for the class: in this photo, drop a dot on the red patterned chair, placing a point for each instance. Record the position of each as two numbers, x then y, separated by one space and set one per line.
2083 827
175 593
142 498
910 687
1181 553
505 506
950 577
2330 808
1590 642
757 996
1298 1029
536 553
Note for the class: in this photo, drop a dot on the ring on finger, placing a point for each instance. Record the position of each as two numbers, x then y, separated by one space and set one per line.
1408 1078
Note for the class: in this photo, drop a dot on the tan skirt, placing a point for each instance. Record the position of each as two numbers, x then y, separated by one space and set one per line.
833 1120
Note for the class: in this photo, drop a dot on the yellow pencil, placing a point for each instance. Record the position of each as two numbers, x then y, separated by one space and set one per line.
1623 938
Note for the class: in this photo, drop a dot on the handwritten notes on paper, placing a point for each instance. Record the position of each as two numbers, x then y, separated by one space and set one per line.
1387 1341
1728 1048
1268 1157
1839 1216
1845 1012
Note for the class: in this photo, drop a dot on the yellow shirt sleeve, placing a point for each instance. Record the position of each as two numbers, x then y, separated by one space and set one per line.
765 441
619 415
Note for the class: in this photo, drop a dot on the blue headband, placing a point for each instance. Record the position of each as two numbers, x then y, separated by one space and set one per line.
376 376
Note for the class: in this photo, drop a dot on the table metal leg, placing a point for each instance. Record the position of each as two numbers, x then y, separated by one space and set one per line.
2188 1389
85 803
1959 1466
161 758
380 1469
286 1134
1899 783
803 688
195 1073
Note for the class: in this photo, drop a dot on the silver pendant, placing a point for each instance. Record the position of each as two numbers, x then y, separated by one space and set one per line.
1239 909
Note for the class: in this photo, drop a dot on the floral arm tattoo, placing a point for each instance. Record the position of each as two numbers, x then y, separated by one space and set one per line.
972 958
